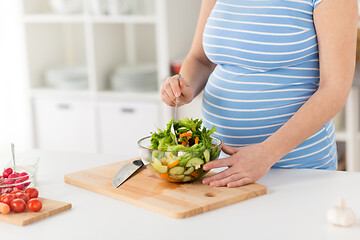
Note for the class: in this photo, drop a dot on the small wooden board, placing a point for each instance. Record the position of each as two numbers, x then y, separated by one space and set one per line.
146 190
49 208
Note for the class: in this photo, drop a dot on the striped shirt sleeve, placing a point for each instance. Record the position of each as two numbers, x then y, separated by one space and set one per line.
316 2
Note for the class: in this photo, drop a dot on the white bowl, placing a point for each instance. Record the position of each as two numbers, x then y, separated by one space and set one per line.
66 6
141 78
67 78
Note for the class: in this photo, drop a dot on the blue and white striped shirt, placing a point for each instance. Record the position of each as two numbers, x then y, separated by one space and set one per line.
267 60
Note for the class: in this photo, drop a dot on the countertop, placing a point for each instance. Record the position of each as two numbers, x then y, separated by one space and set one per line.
294 208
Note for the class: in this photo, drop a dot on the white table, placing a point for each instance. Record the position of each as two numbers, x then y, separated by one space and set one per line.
294 208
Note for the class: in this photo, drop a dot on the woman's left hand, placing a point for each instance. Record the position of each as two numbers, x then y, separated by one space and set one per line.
245 165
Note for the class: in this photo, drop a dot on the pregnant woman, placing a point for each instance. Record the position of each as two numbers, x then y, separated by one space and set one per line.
274 74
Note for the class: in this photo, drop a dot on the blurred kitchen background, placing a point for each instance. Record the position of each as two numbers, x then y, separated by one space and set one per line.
84 75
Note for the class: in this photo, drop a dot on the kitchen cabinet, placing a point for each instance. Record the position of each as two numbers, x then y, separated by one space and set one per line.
111 127
347 125
347 121
122 124
65 125
98 43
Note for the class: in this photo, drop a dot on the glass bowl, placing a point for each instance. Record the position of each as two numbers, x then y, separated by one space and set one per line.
21 177
178 166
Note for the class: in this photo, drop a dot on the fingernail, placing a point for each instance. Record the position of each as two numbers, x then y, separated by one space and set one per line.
212 184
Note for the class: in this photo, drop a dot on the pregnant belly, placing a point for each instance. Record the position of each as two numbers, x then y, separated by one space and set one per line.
246 109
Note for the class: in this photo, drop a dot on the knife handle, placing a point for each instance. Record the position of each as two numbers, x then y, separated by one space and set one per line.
138 163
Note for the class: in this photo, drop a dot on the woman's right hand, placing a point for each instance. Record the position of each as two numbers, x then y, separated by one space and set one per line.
171 89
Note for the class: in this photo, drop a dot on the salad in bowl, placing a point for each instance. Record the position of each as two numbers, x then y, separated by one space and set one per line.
182 162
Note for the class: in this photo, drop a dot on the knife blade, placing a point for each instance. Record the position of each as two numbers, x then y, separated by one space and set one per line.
125 172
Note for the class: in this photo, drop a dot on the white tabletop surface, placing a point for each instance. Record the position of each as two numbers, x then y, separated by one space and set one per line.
294 208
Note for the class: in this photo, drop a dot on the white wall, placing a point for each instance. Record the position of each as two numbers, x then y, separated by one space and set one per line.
14 117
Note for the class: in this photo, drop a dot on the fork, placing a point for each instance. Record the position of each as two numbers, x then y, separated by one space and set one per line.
175 110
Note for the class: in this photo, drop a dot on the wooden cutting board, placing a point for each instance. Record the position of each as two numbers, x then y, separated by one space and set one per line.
146 190
49 208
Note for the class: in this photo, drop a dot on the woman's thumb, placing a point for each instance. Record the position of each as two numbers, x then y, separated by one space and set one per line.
228 150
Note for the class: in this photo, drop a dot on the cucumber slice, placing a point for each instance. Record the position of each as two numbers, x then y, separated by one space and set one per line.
207 155
177 177
189 170
160 169
181 129
196 162
156 164
170 160
176 170
188 178
171 157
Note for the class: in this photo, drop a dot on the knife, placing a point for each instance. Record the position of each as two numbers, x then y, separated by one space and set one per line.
125 172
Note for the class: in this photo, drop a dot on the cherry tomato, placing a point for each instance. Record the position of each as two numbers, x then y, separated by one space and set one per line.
22 196
24 175
6 190
7 198
32 192
8 181
16 191
34 205
13 175
18 184
18 205
7 172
